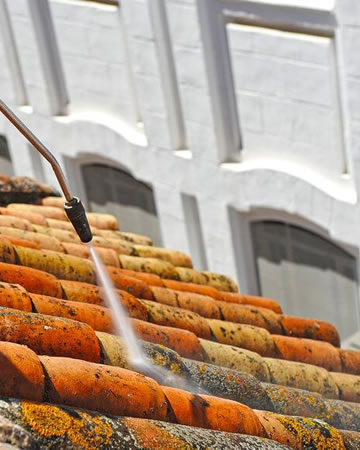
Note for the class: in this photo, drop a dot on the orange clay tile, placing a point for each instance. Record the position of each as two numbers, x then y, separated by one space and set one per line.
46 211
349 386
48 335
97 317
87 293
235 358
149 265
21 373
61 265
61 234
172 256
132 285
54 224
275 430
302 376
183 342
15 222
57 202
205 306
205 411
103 221
251 315
7 251
32 280
209 291
108 256
81 292
122 247
221 282
21 242
44 242
33 218
103 388
252 300
308 351
301 433
188 275
134 307
134 238
311 329
350 360
148 278
14 296
76 249
177 318
244 336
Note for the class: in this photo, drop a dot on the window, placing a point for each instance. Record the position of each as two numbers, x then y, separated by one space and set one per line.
5 158
309 275
114 191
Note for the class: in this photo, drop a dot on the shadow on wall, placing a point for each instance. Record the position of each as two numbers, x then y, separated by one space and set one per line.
115 191
6 166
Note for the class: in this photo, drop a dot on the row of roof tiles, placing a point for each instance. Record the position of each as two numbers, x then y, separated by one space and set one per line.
161 288
120 392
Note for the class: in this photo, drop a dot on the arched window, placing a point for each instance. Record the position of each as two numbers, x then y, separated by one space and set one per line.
5 159
114 191
309 275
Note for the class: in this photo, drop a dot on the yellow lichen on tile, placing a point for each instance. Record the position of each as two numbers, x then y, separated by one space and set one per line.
312 432
50 421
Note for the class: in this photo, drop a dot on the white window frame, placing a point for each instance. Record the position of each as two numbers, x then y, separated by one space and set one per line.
283 15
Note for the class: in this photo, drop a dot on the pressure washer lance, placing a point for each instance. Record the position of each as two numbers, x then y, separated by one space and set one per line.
73 206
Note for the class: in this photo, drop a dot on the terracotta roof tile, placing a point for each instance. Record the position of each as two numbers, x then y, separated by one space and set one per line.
350 360
319 353
48 335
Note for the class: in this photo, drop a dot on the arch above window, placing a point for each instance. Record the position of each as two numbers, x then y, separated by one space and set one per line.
115 191
310 275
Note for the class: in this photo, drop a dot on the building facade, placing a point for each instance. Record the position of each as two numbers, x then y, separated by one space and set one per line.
229 129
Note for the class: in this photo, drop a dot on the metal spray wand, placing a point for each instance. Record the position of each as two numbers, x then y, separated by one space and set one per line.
73 206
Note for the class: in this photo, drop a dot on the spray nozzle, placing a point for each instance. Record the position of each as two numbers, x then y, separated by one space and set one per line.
76 213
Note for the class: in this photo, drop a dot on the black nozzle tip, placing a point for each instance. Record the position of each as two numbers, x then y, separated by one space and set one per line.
76 213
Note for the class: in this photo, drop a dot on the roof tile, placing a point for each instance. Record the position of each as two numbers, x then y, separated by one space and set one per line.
47 335
302 376
35 281
103 388
21 372
308 351
311 329
205 411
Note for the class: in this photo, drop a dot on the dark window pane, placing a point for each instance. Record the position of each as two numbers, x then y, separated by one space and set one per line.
130 200
308 274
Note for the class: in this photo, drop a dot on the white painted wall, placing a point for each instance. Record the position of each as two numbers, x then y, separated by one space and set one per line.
297 97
